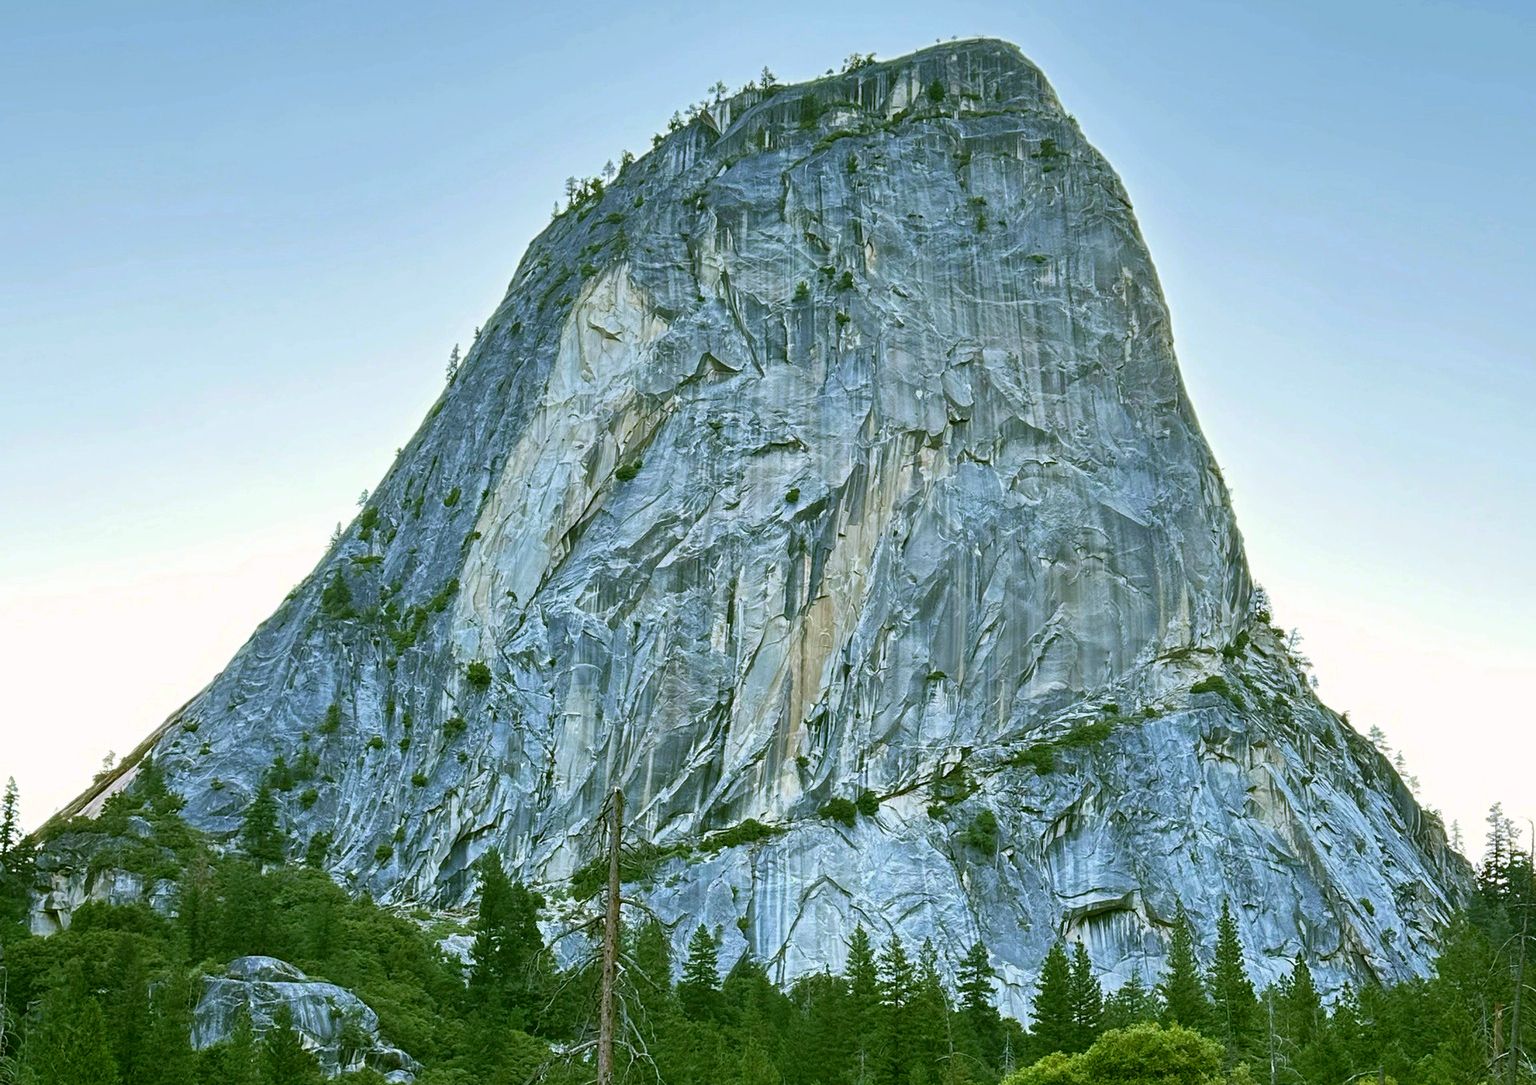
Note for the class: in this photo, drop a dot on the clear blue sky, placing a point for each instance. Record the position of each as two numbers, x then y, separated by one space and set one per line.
238 241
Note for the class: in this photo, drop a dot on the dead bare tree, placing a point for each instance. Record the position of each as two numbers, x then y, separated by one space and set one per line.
606 1022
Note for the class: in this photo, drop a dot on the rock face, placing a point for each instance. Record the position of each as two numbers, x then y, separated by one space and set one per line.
836 445
333 1023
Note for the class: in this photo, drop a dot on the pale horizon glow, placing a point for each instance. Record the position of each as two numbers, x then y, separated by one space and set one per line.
240 244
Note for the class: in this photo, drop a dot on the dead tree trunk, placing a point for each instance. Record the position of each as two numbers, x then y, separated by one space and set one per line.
607 1010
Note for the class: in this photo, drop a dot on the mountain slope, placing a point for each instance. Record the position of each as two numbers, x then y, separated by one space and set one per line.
836 448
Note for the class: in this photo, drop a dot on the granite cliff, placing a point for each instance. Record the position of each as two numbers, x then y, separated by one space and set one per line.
826 481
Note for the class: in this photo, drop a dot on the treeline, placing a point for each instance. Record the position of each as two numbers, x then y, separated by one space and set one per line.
111 999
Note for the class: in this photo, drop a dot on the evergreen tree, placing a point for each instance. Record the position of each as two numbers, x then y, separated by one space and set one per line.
172 1061
978 1011
67 1042
1183 994
15 867
1234 1007
896 974
753 1066
897 980
928 1013
127 1012
1087 1000
260 834
864 1005
336 599
237 1061
699 988
653 961
1132 1004
1053 1027
820 1039
283 1058
1299 1006
10 823
506 957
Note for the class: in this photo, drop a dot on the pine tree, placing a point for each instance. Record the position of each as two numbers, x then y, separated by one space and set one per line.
978 1011
653 962
1299 1005
863 1004
699 988
1234 1006
127 1011
928 1013
1087 1000
1053 1027
1493 878
1132 1004
506 957
897 980
67 1042
283 1058
1183 993
453 357
896 974
10 823
821 1040
169 1035
260 835
239 1057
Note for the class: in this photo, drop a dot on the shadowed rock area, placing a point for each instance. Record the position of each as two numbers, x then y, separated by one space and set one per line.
836 447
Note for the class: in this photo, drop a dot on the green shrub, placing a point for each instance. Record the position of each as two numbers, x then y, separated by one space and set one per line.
749 831
792 494
383 853
628 470
845 281
1086 734
332 721
811 110
936 91
802 290
418 779
1041 758
336 600
451 498
454 726
478 675
1217 684
309 798
376 742
868 803
981 833
839 809
842 318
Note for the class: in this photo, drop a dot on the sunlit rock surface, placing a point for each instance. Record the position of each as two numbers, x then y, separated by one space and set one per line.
333 1023
839 445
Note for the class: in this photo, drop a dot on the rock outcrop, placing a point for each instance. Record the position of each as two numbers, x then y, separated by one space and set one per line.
334 1024
835 448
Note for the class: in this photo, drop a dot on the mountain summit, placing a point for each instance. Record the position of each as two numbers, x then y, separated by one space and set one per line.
826 482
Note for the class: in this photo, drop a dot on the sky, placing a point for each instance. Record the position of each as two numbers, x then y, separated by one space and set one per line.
237 243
